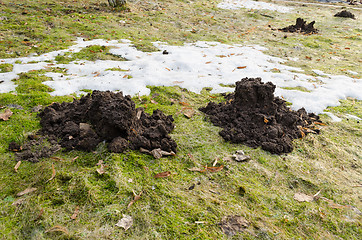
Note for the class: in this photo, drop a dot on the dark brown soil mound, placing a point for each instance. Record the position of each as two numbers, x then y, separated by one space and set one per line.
254 117
301 26
107 116
345 14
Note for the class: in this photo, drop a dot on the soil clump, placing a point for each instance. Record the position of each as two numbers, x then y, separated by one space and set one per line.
35 149
254 117
345 14
107 116
301 26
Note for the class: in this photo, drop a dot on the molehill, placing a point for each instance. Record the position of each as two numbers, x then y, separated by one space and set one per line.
107 116
301 26
254 117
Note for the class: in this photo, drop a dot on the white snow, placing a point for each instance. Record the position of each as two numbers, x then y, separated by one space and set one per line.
192 66
249 4
333 117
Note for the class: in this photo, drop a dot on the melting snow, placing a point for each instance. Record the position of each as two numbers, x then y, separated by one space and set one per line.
192 66
236 4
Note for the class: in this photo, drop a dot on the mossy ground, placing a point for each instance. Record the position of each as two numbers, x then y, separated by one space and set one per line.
330 162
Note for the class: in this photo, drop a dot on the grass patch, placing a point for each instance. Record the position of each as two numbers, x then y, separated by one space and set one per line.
6 67
298 88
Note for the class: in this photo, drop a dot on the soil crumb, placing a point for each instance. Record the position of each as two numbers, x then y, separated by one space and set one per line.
107 116
345 14
301 26
36 148
254 117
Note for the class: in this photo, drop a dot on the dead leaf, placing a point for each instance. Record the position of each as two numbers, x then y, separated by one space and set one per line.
301 197
101 169
75 214
189 112
26 191
6 115
158 153
208 62
53 173
126 222
57 228
17 166
240 156
184 103
135 198
242 67
215 169
163 174
177 82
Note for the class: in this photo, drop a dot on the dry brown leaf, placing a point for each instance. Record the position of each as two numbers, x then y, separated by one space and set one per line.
208 62
135 198
215 169
75 214
26 191
163 174
184 103
101 170
301 197
242 67
177 82
158 153
126 222
57 228
6 115
53 173
189 112
17 166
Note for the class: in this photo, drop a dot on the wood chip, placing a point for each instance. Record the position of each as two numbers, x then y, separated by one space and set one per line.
17 166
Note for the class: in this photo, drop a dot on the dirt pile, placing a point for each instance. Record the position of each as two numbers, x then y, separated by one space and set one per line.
345 14
36 148
254 117
301 26
107 116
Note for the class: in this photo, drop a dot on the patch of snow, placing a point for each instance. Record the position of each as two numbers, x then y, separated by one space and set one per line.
334 117
249 4
352 72
353 116
192 66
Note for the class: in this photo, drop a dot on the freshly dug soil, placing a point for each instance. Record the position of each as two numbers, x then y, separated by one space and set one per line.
254 117
35 149
301 26
107 116
345 14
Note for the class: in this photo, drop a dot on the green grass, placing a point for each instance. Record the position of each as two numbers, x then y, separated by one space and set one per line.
329 162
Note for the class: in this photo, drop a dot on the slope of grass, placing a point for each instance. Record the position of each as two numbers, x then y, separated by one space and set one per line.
187 204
